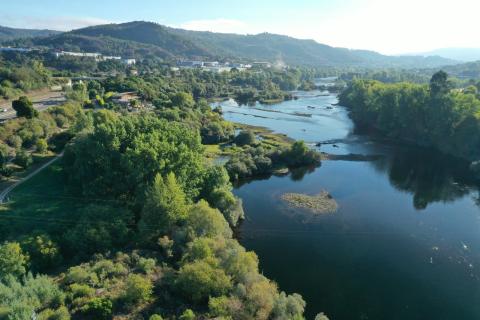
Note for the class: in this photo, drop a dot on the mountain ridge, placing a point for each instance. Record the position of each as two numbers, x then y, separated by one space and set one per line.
7 33
144 39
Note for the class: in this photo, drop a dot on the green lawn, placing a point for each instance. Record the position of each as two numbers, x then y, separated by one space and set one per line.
41 203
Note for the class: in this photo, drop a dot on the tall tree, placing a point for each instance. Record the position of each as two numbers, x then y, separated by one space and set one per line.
24 108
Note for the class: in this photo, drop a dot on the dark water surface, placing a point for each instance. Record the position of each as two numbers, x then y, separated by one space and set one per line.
405 242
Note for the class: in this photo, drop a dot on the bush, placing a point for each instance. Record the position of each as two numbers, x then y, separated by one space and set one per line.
199 280
13 261
59 314
43 252
146 265
23 159
98 308
188 315
245 137
138 289
42 146
24 108
14 141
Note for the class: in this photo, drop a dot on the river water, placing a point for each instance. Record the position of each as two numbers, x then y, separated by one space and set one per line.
405 242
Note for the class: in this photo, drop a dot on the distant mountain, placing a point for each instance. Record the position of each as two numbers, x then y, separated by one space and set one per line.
460 54
140 39
7 33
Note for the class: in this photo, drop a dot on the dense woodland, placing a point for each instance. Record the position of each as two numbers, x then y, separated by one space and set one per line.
149 231
430 115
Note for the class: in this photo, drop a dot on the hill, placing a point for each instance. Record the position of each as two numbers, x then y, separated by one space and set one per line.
460 54
140 39
7 33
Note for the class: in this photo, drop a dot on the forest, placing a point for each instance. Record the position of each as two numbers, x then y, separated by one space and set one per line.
434 114
139 221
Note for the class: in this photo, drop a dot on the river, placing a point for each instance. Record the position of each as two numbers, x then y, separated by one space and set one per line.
405 242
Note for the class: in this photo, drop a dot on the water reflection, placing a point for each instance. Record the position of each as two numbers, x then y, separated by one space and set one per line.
428 175
377 257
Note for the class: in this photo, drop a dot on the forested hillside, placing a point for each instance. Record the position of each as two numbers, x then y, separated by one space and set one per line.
15 33
140 39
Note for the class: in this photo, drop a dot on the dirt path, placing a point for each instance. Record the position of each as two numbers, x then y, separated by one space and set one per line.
6 191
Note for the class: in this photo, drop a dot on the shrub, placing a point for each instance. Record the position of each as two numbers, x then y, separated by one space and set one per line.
23 159
188 315
138 289
12 260
98 308
42 146
245 137
199 280
24 108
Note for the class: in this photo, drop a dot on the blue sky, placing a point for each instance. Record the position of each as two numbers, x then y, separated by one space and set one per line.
388 26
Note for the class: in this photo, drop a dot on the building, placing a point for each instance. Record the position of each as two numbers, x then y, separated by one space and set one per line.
217 69
15 49
129 61
261 64
211 64
94 55
111 58
190 64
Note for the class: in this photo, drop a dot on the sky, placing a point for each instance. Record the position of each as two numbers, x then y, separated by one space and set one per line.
386 26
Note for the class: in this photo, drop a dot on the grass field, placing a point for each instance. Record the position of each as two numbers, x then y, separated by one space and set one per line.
41 203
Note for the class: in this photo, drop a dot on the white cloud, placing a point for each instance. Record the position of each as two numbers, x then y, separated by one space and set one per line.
219 25
53 23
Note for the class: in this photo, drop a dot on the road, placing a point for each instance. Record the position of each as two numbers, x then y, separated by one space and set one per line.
41 101
5 192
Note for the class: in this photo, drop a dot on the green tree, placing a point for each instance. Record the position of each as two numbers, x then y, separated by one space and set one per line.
245 137
42 146
23 159
199 280
439 83
138 289
24 108
205 221
31 294
98 308
187 315
3 155
165 207
13 261
44 254
182 100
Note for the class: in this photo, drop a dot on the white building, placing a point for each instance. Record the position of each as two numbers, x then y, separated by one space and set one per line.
96 56
129 61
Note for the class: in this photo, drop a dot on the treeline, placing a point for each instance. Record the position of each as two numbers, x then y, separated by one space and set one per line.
430 115
38 133
246 86
256 158
19 77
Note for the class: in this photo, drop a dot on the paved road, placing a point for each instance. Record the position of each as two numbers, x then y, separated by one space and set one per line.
5 192
41 101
